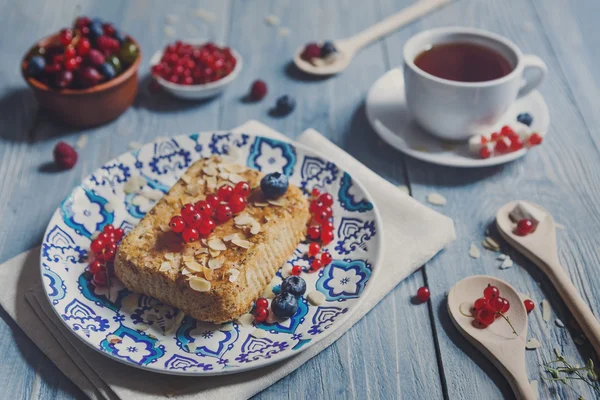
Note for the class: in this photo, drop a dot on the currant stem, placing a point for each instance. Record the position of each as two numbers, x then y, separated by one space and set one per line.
509 323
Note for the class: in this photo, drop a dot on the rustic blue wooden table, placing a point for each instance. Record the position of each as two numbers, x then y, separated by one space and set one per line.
399 349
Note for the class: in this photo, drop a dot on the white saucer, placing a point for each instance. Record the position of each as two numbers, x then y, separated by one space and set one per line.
388 115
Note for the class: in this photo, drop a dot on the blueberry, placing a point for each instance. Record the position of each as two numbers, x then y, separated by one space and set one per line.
327 49
285 104
36 65
107 70
97 20
284 305
120 36
293 285
274 185
96 29
525 118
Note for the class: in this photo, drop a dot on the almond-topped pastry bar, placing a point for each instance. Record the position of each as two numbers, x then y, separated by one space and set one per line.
215 278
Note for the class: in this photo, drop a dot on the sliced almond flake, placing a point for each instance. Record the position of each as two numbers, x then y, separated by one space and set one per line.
217 244
227 327
193 189
316 298
266 218
134 184
260 204
131 301
234 274
165 266
113 339
176 323
214 253
278 202
152 194
559 323
169 256
108 207
268 292
474 251
204 241
229 238
194 266
492 242
215 263
165 228
436 199
142 327
208 273
186 178
534 388
243 219
533 344
272 20
507 263
188 258
188 251
246 320
546 310
258 333
210 170
286 270
171 200
205 15
186 272
192 348
211 183
235 178
249 275
201 250
501 257
199 284
82 141
242 243
255 228
134 145
579 341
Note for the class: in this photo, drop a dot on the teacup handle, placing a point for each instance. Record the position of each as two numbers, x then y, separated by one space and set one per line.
532 62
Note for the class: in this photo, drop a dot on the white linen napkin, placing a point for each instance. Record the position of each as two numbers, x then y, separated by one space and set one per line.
418 231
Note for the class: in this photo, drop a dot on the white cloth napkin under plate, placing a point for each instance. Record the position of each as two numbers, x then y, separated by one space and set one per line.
408 225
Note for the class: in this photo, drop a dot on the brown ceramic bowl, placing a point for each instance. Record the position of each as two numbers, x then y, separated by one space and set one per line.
87 107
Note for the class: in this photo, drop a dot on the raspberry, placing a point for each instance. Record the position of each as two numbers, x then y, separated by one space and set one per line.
258 90
312 50
65 156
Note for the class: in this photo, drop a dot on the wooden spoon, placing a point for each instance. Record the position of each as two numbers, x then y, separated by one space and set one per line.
540 247
497 342
347 48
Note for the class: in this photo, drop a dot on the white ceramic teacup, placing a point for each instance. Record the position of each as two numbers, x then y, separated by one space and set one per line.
457 110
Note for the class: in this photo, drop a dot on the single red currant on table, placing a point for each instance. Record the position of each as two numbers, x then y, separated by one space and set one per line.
258 90
65 156
529 305
423 294
326 258
262 303
315 192
296 270
326 199
326 237
316 264
313 249
313 232
261 315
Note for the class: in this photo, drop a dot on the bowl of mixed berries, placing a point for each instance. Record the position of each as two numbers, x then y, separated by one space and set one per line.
195 69
84 75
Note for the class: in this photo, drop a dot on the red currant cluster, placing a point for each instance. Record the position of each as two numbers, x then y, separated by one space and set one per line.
187 64
506 141
200 219
261 312
83 56
104 248
524 227
490 306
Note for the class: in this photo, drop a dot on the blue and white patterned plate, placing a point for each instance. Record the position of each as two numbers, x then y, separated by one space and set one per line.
140 331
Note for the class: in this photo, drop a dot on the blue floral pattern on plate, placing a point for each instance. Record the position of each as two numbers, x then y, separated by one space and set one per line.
141 331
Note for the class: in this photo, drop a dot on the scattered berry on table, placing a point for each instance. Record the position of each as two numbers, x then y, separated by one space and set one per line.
285 105
296 270
262 303
313 232
326 258
258 90
315 192
316 264
327 49
535 139
274 185
65 156
423 294
525 118
313 249
311 50
326 199
284 305
529 305
261 315
326 237
294 285
524 227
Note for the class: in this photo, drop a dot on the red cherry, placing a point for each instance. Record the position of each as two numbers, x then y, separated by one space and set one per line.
207 226
97 245
96 266
258 90
490 292
187 210
496 303
65 156
486 316
529 305
313 232
237 203
243 189
485 152
326 258
315 206
326 199
534 139
225 192
313 249
261 315
316 264
480 304
177 224
65 36
524 227
296 270
326 237
119 233
423 294
204 208
223 213
315 192
190 235
506 306
262 303
100 279
213 200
